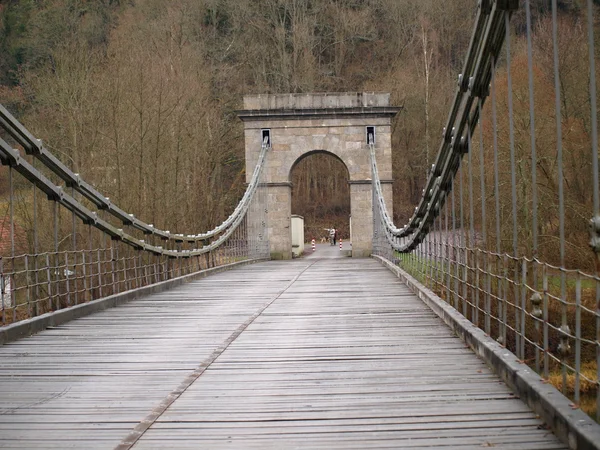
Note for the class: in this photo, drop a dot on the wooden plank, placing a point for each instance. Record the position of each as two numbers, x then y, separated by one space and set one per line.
115 366
344 357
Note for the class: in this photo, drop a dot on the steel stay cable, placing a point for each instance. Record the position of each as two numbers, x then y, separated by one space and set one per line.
34 146
438 186
490 24
13 158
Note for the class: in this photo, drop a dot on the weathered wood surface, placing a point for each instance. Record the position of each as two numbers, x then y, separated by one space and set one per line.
343 356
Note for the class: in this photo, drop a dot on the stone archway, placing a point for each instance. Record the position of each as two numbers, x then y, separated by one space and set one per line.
298 124
323 201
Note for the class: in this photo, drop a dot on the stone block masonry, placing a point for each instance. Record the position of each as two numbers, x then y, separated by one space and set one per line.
301 124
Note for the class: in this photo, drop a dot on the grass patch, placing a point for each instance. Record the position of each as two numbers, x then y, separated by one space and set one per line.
588 389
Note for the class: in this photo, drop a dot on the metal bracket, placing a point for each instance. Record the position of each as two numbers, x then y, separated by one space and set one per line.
536 300
486 6
507 5
595 234
564 349
479 90
463 83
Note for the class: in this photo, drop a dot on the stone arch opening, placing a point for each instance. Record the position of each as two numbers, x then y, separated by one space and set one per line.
321 194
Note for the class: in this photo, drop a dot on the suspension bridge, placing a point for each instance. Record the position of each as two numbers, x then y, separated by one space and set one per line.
466 328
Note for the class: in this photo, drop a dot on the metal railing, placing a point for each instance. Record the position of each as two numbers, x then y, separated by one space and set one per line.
78 246
502 230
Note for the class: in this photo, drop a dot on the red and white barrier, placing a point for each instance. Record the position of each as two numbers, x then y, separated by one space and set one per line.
313 245
340 244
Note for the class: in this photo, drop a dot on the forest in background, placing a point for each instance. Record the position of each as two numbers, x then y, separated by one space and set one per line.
139 96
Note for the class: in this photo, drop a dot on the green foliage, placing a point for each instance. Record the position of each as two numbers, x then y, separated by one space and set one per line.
14 17
32 30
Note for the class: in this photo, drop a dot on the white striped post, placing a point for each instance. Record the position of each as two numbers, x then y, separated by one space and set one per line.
313 245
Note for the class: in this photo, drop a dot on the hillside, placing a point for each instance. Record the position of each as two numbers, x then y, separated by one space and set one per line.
139 96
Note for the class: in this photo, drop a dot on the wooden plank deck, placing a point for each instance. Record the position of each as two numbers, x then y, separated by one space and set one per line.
311 353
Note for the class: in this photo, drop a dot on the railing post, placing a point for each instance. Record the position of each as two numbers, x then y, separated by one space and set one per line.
595 245
564 350
487 299
99 263
577 337
523 306
49 281
27 288
2 289
90 295
127 268
66 272
74 242
545 321
112 266
537 314
477 288
85 282
35 247
13 299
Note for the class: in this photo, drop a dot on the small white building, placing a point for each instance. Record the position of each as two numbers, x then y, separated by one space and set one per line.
297 235
5 291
